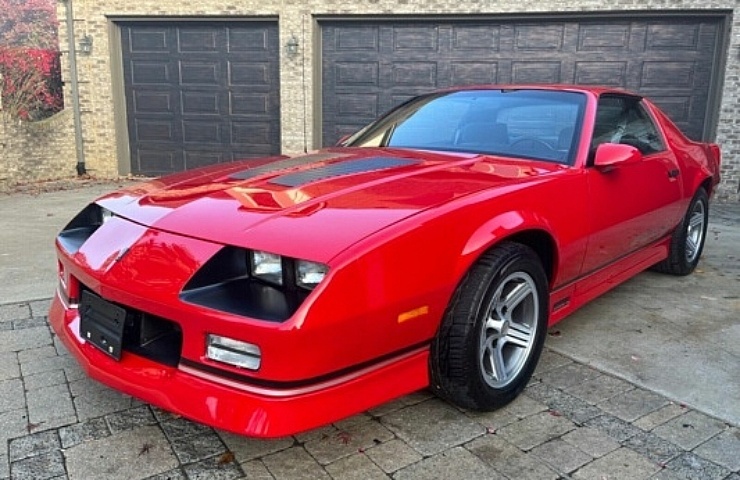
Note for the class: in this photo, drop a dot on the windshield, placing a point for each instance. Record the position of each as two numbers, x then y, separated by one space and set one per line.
533 124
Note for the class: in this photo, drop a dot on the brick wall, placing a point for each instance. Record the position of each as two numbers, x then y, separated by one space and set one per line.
297 17
35 151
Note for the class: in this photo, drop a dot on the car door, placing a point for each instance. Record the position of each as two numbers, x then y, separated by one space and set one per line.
634 204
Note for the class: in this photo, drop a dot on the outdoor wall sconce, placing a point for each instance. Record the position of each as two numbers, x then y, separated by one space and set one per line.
85 45
291 48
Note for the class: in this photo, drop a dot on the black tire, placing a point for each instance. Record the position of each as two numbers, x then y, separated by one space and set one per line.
461 363
687 241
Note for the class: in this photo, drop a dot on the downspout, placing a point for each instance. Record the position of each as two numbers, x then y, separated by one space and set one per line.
81 170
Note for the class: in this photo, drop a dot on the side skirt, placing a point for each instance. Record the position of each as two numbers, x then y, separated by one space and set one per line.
569 298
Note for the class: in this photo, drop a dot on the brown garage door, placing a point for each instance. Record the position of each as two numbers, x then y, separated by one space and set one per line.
199 93
369 67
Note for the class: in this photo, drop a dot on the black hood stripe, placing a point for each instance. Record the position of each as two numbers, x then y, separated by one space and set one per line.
338 169
273 167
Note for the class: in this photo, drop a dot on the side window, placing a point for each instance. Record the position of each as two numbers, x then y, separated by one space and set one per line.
624 120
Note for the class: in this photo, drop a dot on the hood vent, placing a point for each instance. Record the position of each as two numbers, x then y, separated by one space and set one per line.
363 165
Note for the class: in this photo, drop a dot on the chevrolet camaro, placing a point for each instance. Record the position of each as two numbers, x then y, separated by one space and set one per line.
431 249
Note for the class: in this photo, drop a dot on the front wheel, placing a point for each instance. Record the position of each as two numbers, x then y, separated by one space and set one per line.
688 239
492 334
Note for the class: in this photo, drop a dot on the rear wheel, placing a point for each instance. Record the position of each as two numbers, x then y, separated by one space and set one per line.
493 331
687 241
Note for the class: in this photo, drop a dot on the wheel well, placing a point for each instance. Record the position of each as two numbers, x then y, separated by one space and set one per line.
707 185
543 245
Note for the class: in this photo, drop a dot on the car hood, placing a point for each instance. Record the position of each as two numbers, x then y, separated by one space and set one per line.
315 205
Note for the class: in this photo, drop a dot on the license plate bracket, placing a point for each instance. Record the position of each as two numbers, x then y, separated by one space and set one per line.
102 323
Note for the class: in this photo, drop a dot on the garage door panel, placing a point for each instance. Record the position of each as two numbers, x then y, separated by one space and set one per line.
249 74
200 73
612 74
150 72
249 104
668 75
642 54
148 40
198 40
417 39
351 105
672 37
249 40
189 84
603 37
535 72
158 160
356 73
357 38
421 74
154 131
200 103
201 132
472 73
399 98
251 133
196 159
539 37
475 38
150 101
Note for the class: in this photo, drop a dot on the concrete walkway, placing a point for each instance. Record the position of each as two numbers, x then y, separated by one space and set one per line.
642 383
28 225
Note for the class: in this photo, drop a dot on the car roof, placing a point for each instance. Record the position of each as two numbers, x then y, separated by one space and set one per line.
593 89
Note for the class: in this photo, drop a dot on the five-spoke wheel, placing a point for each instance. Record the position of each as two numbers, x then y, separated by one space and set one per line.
508 332
688 239
697 219
492 334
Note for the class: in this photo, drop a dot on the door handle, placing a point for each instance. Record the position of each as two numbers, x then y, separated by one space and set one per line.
673 173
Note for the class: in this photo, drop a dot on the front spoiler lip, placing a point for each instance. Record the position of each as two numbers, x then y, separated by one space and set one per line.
242 409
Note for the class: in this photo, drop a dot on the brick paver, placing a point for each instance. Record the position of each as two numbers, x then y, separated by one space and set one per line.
572 422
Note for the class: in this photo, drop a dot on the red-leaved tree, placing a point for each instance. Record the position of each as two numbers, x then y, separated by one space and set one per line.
29 59
31 83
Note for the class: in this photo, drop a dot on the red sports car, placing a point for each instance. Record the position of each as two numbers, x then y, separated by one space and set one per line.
430 249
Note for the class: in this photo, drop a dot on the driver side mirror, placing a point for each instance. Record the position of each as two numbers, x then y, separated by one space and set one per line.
611 155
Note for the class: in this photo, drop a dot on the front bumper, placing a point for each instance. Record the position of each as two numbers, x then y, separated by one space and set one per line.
240 408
